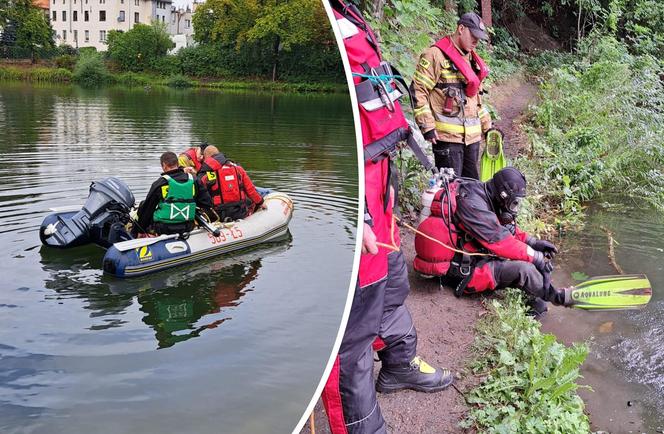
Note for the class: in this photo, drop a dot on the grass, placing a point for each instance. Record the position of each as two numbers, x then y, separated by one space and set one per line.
91 74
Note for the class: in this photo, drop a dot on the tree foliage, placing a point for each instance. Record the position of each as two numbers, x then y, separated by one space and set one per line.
225 21
294 22
25 28
140 49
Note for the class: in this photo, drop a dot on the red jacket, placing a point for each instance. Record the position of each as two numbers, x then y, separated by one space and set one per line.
378 124
227 182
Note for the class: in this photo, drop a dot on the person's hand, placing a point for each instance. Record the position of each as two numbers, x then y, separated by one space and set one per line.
263 206
547 247
542 263
189 170
434 138
369 241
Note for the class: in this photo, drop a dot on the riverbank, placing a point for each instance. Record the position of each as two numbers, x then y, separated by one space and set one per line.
46 73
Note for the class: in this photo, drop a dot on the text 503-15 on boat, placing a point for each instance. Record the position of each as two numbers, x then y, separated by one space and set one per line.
102 219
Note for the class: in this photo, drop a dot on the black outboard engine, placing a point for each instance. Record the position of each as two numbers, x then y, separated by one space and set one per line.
101 221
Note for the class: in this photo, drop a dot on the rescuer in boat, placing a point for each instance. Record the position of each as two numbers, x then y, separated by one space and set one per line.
234 196
447 86
476 217
191 159
170 205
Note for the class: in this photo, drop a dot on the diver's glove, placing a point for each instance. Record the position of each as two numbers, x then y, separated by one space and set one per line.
542 263
547 247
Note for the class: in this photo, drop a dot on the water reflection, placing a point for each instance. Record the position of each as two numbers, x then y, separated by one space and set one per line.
179 304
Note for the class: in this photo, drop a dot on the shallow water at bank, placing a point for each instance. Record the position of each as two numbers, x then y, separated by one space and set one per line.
233 344
626 364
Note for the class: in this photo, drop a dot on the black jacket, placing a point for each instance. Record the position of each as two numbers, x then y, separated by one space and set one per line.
149 205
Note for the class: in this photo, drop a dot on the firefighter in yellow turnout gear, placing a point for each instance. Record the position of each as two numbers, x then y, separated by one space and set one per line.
447 87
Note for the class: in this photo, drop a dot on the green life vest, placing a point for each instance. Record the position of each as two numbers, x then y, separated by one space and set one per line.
177 204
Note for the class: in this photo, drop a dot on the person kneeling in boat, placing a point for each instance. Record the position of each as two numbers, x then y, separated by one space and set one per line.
191 159
233 194
479 217
170 205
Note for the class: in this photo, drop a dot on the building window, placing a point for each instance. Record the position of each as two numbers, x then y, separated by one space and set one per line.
136 18
64 35
121 18
173 18
87 36
75 35
55 16
187 24
102 2
102 36
136 2
121 2
163 19
102 15
75 16
64 15
86 15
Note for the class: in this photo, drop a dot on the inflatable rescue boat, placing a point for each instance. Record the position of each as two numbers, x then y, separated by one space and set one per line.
104 217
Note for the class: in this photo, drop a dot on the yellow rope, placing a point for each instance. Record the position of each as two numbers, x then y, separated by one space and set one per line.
436 240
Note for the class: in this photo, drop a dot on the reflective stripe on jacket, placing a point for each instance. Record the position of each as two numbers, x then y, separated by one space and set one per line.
435 78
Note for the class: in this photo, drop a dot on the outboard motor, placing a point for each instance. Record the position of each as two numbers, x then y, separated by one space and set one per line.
101 220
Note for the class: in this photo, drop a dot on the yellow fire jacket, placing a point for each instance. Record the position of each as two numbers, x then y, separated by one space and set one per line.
436 82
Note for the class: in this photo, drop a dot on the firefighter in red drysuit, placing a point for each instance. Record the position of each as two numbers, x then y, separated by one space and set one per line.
234 196
378 318
473 216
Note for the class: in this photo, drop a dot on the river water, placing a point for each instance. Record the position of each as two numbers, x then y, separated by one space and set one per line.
233 344
625 367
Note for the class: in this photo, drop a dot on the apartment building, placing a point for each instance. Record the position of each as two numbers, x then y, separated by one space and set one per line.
86 23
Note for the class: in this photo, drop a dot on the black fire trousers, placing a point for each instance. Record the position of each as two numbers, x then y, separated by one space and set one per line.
377 312
462 158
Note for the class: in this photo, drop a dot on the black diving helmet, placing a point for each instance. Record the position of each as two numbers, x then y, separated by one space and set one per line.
507 190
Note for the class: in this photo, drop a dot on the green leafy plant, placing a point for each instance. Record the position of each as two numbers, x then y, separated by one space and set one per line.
528 378
90 70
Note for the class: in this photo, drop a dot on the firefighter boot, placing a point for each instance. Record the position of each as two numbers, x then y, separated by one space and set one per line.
417 375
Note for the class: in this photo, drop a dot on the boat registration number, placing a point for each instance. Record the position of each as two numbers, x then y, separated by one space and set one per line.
226 234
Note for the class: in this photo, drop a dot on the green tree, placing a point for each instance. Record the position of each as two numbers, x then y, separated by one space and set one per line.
287 24
31 32
141 48
224 21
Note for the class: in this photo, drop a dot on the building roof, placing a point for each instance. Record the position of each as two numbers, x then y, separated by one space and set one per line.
41 4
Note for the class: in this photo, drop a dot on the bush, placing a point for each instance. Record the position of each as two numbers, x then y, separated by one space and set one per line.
139 49
131 79
166 66
529 379
66 61
598 128
180 81
204 60
91 70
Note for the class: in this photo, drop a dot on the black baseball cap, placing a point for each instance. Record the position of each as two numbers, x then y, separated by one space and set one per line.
474 23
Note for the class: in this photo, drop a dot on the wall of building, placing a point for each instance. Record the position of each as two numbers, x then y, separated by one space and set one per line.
68 19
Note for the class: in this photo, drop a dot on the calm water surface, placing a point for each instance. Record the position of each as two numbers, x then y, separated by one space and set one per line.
233 344
626 364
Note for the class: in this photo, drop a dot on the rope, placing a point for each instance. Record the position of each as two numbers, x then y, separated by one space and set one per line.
377 78
435 240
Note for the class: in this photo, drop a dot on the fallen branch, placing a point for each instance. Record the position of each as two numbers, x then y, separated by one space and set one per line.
612 254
